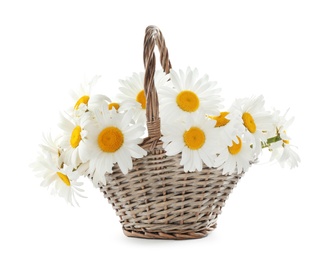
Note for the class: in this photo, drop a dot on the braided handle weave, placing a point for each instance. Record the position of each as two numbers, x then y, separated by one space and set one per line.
153 36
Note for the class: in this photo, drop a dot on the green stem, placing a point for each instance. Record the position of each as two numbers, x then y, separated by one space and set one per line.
270 141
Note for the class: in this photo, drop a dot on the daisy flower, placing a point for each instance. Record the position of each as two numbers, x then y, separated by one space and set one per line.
132 90
123 106
194 138
84 99
51 145
236 157
229 125
283 152
187 93
61 181
73 138
256 119
111 139
279 142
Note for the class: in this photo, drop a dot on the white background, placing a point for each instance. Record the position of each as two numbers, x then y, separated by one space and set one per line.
274 48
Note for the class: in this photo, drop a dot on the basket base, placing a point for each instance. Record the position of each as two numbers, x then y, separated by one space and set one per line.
170 236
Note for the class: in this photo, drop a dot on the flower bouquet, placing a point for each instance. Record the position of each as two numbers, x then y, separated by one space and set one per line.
173 181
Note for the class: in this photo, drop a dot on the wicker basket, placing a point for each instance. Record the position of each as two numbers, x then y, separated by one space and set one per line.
157 199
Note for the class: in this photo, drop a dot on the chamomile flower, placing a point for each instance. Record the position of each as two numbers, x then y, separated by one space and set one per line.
284 153
84 99
279 142
73 138
132 91
236 157
112 139
51 145
123 106
60 180
195 138
187 93
256 119
229 125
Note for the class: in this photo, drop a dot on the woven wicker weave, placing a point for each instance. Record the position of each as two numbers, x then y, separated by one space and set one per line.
157 199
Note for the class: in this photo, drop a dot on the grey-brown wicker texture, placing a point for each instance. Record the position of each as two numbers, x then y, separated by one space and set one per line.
157 199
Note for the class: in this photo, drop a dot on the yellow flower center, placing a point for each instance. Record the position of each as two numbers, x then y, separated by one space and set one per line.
221 120
249 122
110 139
286 141
235 148
64 178
75 137
188 101
82 100
141 99
113 105
194 138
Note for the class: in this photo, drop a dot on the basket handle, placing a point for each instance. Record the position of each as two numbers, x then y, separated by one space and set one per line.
153 36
